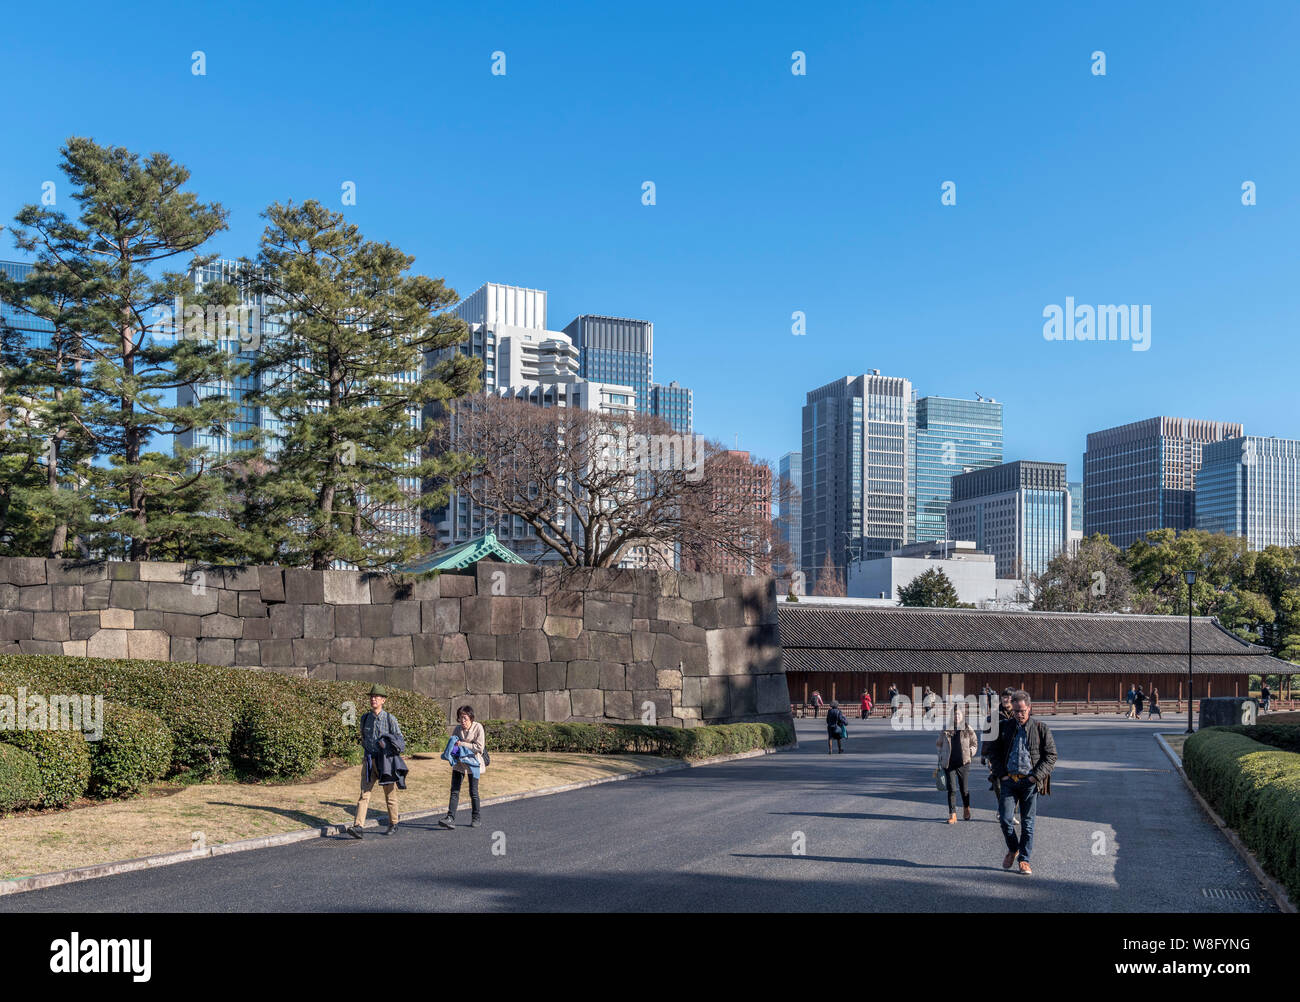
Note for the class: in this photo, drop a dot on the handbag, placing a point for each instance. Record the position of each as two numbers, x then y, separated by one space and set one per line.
941 780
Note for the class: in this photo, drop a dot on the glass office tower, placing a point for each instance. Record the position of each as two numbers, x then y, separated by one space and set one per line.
675 404
790 509
616 350
952 436
1250 486
1019 512
33 331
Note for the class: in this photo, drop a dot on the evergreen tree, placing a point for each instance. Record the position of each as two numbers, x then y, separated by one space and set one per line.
828 580
342 379
931 589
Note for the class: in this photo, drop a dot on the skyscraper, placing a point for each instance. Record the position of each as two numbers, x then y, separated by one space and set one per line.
858 453
1076 505
1019 512
616 350
952 436
32 331
1142 476
675 404
1250 486
790 509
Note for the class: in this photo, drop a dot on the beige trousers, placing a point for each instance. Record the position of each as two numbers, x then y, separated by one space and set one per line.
390 800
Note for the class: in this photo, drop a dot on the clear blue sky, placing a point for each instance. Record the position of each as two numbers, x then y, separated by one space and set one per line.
775 192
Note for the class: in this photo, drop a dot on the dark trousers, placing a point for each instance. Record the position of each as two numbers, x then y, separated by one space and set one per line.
1023 794
457 777
955 777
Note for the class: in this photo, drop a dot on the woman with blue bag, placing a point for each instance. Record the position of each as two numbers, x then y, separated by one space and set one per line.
467 755
837 727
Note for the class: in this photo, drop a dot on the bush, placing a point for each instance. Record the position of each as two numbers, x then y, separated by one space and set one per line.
1284 736
275 739
20 779
63 760
606 739
1256 788
134 751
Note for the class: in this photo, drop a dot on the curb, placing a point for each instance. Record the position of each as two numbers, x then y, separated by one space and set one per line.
1275 890
59 877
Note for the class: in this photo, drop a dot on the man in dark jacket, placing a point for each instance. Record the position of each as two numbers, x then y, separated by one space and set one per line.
1022 758
382 743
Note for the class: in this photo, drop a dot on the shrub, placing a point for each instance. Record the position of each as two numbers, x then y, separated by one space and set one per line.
275 739
63 760
134 751
1284 736
1256 788
604 739
20 779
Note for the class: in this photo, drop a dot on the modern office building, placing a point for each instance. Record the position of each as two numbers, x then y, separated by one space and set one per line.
739 485
859 437
675 404
492 311
1076 505
32 331
616 350
1142 476
952 436
789 511
1250 486
1019 512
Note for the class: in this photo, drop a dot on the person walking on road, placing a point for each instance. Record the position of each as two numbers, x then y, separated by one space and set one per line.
1130 697
466 752
1138 700
866 705
1265 695
956 749
1023 756
382 744
817 704
837 727
1153 708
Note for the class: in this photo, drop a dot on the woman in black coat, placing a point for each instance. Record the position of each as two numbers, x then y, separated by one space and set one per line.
837 726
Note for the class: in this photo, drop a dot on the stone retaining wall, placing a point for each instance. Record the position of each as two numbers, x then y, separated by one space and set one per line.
517 641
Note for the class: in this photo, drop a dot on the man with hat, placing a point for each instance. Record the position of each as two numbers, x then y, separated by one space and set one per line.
381 739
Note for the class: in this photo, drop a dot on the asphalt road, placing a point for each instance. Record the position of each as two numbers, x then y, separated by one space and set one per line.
1119 833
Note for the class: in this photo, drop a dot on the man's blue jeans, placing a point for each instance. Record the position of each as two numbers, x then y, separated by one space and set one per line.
1022 794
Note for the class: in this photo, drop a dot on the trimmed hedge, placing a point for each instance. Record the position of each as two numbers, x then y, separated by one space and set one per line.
1256 788
1284 736
20 779
275 740
63 759
615 739
134 751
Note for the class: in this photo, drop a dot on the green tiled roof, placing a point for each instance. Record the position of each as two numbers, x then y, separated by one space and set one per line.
485 547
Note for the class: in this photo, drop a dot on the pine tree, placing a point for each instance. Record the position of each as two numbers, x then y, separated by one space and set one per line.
343 380
932 589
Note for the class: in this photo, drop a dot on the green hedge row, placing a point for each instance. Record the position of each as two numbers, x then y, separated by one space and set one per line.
1256 789
614 739
1284 736
164 718
20 779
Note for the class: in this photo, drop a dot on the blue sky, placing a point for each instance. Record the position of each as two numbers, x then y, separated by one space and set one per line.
775 192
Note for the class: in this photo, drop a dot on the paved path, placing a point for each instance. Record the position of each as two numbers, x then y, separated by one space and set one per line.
720 838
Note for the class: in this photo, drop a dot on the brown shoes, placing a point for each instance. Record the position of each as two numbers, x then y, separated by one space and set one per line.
1024 866
966 814
952 819
1009 859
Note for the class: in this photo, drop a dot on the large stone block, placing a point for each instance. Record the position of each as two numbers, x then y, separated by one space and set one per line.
376 620
303 586
564 626
619 706
719 613
612 676
567 604
286 621
508 647
346 588
607 617
533 646
587 702
250 605
610 647
271 653
218 625
658 699
449 679
454 648
93 595
532 612
700 587
685 632
82 625
352 650
552 675
426 648
184 649
117 619
26 571
455 585
40 646
484 676
421 590
228 603
707 693
476 614
584 675
481 645
107 644
309 650
773 693
405 618
642 675
74 648
532 706
557 705
50 626
240 579
318 622
395 652
70 572
741 651
440 616
127 570
643 646
399 676
164 571
270 582
255 629
347 620
36 598
743 695
220 651
15 625
508 579
68 598
519 676
673 610
504 706
569 649
249 652
385 589
668 678
422 680
507 615
164 597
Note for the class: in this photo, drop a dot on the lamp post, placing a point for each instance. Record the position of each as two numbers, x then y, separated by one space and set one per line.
1191 580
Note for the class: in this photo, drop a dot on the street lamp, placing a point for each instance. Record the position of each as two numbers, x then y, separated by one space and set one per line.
1191 580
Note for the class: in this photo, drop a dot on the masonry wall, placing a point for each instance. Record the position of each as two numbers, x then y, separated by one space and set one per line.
517 641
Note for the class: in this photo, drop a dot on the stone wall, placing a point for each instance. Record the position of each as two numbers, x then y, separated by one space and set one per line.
517 641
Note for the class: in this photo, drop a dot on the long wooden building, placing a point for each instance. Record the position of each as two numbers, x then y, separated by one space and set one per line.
842 651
